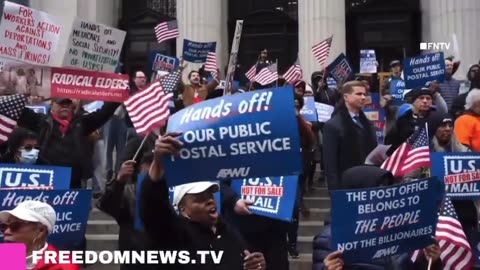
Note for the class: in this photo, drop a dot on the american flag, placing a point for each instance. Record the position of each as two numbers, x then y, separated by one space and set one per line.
410 156
11 108
170 83
321 51
293 73
267 75
455 251
149 108
166 30
251 72
211 64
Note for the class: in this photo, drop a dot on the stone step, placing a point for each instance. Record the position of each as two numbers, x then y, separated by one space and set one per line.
101 242
307 228
317 202
96 214
318 192
316 214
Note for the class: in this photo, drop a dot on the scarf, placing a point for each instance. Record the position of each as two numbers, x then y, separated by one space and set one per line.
63 123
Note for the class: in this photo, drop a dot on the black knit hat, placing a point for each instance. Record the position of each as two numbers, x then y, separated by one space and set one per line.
416 93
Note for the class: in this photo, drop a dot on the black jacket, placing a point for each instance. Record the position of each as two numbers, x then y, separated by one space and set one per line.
345 145
168 231
69 150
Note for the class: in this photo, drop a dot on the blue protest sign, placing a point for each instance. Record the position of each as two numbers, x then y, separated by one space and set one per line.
39 108
424 68
196 52
331 83
30 176
272 197
397 89
373 223
461 173
160 62
236 136
309 111
138 223
340 69
71 206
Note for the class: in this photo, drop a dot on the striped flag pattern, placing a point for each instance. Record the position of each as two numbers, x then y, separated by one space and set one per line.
11 108
456 253
166 30
267 75
410 156
251 72
321 51
211 64
149 108
293 73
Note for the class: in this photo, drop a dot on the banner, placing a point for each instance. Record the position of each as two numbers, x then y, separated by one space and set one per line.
89 85
368 61
29 35
397 89
34 176
196 52
272 197
236 136
369 224
461 173
138 223
424 68
93 46
232 61
309 111
71 206
160 62
340 69
39 108
324 112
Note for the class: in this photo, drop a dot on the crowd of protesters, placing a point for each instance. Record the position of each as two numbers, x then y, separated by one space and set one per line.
105 141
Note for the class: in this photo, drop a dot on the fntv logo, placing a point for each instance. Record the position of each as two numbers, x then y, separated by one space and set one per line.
435 46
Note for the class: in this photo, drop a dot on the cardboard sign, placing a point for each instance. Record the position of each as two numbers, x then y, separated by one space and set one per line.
309 111
196 52
93 46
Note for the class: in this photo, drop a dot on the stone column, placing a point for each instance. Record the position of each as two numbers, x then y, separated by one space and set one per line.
443 18
318 20
203 21
105 12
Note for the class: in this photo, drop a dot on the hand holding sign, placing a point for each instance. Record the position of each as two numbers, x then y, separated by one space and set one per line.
241 207
167 144
334 261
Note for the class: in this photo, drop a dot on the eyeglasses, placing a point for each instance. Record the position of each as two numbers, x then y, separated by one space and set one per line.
14 226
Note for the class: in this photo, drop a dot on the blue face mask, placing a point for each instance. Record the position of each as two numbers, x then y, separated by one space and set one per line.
29 157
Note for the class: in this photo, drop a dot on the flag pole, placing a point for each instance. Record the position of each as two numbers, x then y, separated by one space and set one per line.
140 147
276 62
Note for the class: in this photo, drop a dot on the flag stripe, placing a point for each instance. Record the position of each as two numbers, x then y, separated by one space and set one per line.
321 51
293 73
251 73
165 31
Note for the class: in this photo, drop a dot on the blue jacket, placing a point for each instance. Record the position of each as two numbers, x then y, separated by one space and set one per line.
321 249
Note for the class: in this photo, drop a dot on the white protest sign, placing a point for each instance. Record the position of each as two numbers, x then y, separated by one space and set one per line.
29 35
93 46
368 61
324 112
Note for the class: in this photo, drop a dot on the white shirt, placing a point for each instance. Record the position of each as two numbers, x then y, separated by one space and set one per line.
30 264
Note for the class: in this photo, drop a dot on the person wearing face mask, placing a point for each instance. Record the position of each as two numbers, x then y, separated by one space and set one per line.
63 135
22 147
30 223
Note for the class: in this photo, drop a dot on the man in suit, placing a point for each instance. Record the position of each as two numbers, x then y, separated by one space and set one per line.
348 137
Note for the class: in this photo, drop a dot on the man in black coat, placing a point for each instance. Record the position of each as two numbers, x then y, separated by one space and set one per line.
198 227
348 137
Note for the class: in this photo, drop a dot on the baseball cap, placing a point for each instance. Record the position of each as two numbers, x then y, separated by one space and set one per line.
192 188
33 211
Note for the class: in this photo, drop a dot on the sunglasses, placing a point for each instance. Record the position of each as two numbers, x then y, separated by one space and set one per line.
14 226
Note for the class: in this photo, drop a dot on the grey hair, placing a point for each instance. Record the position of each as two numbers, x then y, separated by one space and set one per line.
472 97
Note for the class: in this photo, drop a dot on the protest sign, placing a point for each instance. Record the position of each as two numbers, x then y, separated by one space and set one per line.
93 46
29 35
93 106
332 83
160 62
368 61
25 79
340 69
89 85
369 224
34 176
397 89
324 111
376 114
196 52
309 111
232 61
236 136
461 173
39 108
424 68
138 223
272 197
71 206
